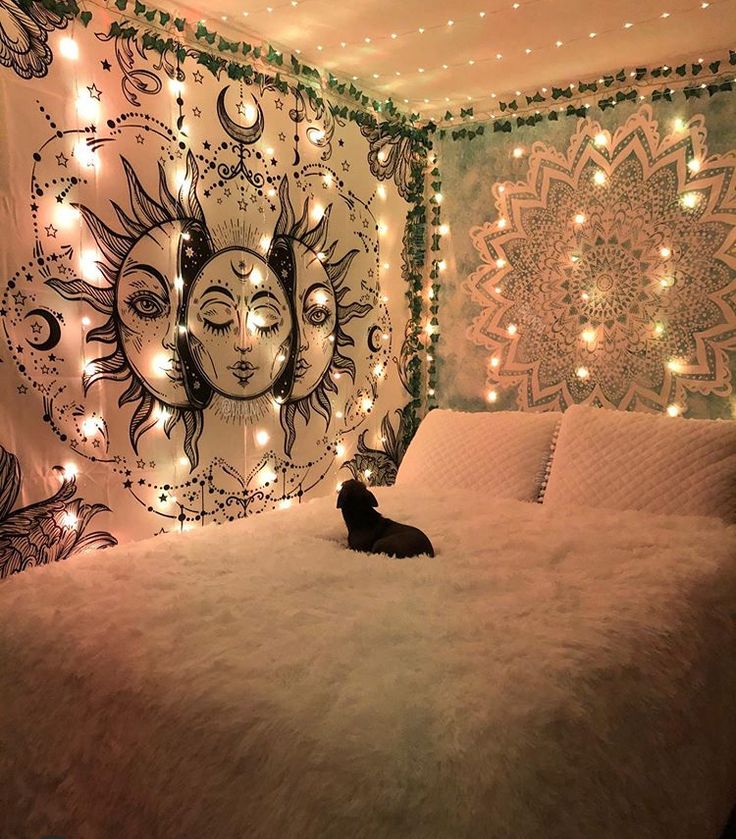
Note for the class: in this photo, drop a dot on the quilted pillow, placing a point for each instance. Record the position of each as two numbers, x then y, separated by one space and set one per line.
501 453
648 462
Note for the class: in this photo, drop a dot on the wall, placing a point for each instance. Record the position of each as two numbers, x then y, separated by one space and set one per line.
201 293
631 306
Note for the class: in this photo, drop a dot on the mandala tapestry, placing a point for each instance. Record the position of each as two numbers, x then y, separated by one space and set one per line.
607 274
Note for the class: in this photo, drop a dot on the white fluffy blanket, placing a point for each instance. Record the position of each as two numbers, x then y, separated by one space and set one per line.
547 675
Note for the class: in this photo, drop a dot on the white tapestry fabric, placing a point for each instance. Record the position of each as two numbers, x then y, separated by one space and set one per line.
502 454
649 462
202 298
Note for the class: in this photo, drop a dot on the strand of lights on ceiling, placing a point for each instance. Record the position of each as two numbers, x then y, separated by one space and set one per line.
588 99
449 26
273 7
626 27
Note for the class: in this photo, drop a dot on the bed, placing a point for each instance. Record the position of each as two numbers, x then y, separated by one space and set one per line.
557 670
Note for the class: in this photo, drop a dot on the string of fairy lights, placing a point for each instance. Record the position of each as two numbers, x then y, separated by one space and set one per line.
67 216
332 51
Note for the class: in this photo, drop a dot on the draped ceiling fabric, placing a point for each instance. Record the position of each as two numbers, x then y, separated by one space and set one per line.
593 261
201 294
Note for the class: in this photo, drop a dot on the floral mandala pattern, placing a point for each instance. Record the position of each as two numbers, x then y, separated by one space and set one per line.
609 277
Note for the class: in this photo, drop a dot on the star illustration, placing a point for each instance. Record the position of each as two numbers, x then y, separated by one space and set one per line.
141 482
227 191
139 139
206 145
106 64
197 113
189 251
345 166
279 105
141 464
152 464
34 208
241 108
242 205
45 370
22 389
19 298
62 159
94 92
35 327
51 231
341 142
273 161
365 223
282 136
96 444
198 77
128 484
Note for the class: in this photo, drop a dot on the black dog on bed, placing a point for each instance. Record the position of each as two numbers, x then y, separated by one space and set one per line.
370 532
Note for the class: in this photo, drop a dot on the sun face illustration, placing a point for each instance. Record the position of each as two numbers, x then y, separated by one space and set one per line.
147 271
320 313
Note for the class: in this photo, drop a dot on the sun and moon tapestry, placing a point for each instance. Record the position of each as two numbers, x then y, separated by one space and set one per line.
202 293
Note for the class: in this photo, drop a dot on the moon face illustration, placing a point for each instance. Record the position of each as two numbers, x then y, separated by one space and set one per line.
247 134
374 345
54 326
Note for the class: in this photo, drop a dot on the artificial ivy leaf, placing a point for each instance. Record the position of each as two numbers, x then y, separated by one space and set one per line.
714 66
121 4
85 17
139 7
640 73
180 23
681 70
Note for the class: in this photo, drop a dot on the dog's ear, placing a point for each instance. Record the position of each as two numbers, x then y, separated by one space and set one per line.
372 498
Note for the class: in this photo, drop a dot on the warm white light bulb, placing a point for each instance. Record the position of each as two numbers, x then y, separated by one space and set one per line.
492 396
262 437
267 475
176 86
88 265
588 335
512 329
340 450
579 218
665 252
599 177
694 165
265 242
68 48
689 200
600 139
285 503
500 263
69 520
317 212
673 410
381 190
582 373
444 229
366 404
518 152
71 470
256 276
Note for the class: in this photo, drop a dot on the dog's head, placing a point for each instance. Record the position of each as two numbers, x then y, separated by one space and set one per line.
354 495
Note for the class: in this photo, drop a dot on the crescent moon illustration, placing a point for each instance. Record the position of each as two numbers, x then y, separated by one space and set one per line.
248 134
371 332
54 330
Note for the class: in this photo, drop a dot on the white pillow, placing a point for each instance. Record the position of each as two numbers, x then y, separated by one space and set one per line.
500 453
648 462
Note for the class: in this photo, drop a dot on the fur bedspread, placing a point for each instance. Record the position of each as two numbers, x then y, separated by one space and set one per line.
547 675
